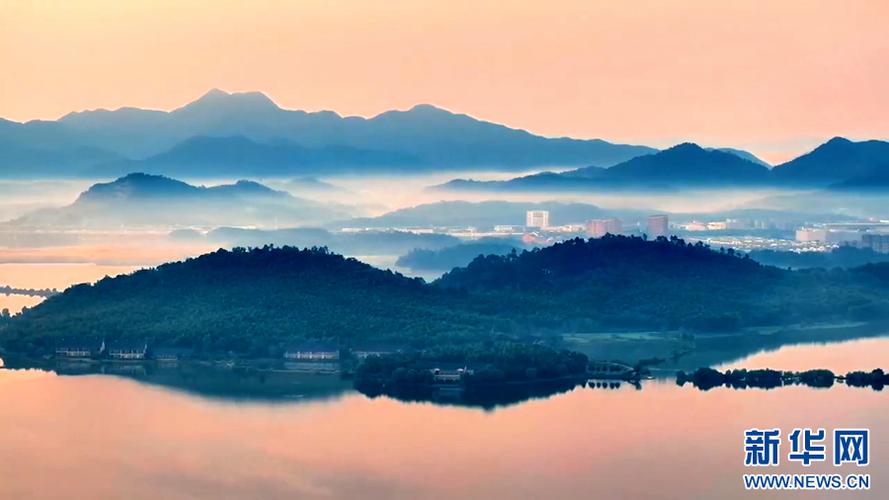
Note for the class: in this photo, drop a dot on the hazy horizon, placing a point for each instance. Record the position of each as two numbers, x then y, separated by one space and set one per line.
734 75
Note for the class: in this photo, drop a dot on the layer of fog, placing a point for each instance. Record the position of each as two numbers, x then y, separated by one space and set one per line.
368 196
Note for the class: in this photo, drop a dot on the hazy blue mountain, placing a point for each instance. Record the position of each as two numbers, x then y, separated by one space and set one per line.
247 133
572 181
45 148
139 133
551 182
680 166
149 200
747 155
836 161
424 137
447 139
238 155
689 163
874 182
309 183
544 181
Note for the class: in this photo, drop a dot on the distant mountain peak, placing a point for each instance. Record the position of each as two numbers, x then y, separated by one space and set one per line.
743 154
216 99
689 163
136 184
836 161
423 137
245 185
419 110
424 107
215 93
141 176
142 185
689 147
838 140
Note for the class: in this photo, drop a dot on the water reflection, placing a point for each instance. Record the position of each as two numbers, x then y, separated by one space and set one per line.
841 356
205 379
99 436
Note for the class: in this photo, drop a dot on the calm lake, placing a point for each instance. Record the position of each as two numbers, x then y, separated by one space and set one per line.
108 436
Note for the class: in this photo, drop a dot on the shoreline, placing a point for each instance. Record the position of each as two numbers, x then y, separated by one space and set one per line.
777 337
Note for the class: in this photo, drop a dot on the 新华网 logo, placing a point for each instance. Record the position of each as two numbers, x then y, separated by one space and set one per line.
762 448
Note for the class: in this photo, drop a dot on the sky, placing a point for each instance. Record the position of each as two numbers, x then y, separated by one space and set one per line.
775 78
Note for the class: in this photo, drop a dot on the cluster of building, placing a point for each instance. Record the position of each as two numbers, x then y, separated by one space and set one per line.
876 242
539 228
872 235
733 224
747 243
315 355
327 351
135 350
777 233
123 350
657 225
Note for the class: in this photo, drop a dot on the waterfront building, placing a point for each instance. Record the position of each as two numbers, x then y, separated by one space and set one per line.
312 351
127 349
79 348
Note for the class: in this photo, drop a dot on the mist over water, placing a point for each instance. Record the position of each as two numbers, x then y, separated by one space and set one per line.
18 197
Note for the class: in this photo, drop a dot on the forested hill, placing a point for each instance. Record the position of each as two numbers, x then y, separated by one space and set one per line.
254 302
246 301
622 281
632 259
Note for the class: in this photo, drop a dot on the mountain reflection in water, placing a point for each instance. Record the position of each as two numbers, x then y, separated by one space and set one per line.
101 436
269 385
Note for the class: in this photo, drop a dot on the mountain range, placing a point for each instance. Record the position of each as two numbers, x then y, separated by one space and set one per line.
248 133
151 200
225 134
837 164
839 161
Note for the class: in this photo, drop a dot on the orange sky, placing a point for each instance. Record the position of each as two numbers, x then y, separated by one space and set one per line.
773 77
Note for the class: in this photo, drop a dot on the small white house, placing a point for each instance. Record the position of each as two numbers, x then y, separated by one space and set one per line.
312 351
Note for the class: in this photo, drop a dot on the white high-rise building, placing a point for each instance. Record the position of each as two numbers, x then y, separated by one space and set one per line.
658 225
537 218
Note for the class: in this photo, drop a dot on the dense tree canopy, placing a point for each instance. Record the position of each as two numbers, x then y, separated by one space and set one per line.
253 302
249 301
454 256
619 281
